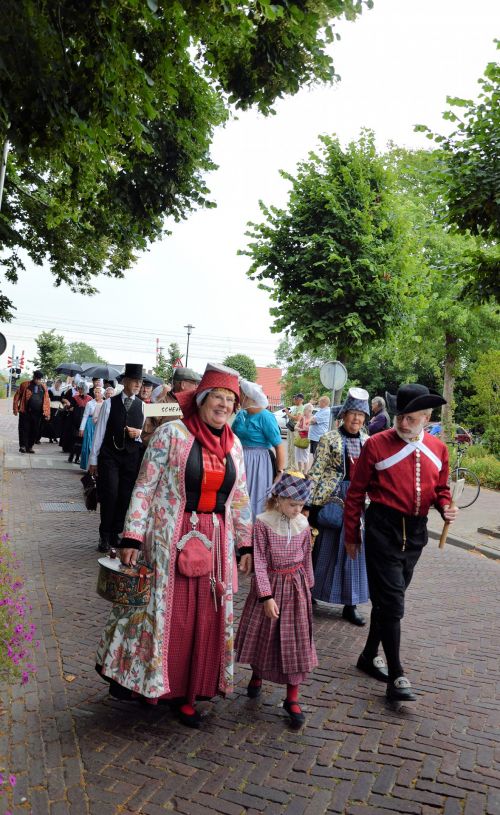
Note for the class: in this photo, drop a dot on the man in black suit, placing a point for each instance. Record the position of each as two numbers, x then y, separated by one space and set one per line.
116 455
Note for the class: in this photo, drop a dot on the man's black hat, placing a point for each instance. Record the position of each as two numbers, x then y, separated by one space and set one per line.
298 396
413 397
132 371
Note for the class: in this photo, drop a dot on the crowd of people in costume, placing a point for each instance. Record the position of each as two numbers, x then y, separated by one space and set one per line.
210 490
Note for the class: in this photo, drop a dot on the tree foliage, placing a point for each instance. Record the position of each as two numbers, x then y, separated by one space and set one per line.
164 367
443 330
52 349
332 258
110 108
243 364
469 173
82 352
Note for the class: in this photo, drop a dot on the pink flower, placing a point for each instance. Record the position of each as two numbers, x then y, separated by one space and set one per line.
12 780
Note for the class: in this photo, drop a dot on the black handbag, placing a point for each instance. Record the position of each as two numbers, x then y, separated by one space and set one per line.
331 515
89 491
290 425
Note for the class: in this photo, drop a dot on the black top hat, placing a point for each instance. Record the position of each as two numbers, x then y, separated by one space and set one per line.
413 397
132 371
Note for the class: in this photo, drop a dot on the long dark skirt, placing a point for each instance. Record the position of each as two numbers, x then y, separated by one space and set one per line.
337 578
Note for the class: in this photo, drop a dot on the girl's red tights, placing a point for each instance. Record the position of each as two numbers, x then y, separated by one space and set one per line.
292 695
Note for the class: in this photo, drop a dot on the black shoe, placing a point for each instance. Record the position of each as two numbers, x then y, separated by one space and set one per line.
400 690
297 719
104 546
253 690
352 615
189 719
76 461
373 667
30 451
22 450
70 459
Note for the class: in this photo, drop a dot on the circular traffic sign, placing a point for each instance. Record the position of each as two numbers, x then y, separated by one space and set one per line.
333 375
3 344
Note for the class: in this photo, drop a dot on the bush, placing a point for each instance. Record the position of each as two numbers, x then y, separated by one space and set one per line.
491 436
486 466
17 634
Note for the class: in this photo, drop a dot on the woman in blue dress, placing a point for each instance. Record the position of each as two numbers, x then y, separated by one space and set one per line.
337 578
263 448
88 423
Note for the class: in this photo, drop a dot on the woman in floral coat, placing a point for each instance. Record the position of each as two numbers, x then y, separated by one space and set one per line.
190 493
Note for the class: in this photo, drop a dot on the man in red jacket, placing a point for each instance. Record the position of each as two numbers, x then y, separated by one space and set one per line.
31 402
404 471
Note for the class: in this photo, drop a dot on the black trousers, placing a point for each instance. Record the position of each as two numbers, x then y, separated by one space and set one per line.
117 472
29 428
390 561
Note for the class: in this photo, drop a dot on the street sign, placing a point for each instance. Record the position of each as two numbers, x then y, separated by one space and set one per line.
3 344
333 375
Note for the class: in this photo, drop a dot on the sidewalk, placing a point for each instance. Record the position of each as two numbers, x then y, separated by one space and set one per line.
77 752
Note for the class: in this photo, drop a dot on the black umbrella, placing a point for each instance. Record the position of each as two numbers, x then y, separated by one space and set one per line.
155 380
69 368
99 371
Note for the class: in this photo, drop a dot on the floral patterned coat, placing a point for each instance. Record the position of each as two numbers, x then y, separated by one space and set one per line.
328 467
133 648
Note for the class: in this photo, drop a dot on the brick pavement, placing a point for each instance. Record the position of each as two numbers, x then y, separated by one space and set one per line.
76 751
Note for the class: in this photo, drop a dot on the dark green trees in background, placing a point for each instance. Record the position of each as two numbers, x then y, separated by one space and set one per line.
52 349
243 364
110 108
333 258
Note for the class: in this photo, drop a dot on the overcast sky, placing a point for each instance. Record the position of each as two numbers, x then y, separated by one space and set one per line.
397 63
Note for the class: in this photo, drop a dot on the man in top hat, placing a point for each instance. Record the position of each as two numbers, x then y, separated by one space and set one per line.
116 454
184 379
404 471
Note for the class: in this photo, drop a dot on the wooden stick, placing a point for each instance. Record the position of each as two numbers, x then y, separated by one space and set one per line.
446 529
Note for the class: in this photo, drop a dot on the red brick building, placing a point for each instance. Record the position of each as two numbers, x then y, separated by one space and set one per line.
269 380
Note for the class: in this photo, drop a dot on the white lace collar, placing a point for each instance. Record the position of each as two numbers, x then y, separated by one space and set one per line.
283 526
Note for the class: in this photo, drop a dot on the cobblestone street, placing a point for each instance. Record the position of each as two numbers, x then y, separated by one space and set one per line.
75 751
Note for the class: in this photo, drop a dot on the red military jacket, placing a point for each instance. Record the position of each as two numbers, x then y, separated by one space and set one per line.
407 476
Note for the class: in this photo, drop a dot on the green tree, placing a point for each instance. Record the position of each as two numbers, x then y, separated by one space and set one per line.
110 109
300 371
81 352
332 258
469 178
444 328
51 351
244 365
163 369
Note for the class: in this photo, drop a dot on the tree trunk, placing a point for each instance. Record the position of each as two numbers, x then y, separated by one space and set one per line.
450 359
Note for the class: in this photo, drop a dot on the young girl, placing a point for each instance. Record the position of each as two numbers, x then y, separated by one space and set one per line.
275 631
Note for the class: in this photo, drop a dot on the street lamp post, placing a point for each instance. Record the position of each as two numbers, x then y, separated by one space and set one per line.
189 328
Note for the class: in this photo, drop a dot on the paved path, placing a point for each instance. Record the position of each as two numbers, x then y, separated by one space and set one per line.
77 752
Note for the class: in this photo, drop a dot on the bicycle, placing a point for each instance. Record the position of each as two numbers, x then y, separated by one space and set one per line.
472 486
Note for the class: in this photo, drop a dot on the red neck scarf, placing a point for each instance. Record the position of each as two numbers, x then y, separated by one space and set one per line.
81 401
218 445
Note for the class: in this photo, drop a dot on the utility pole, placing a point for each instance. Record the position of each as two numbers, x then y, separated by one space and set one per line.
189 328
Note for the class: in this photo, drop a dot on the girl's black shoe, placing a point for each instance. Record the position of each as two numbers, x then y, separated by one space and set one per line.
297 718
254 688
189 719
